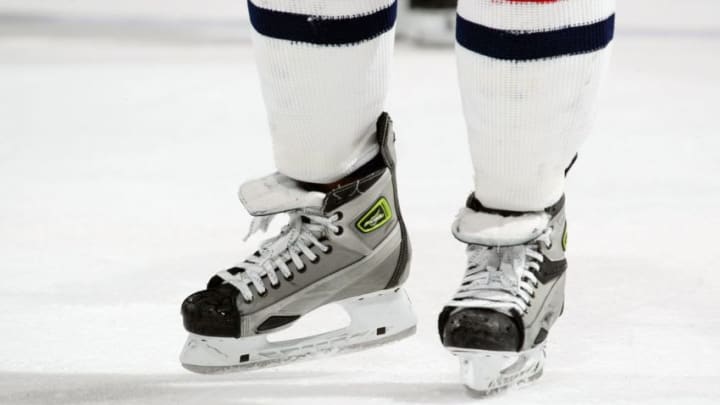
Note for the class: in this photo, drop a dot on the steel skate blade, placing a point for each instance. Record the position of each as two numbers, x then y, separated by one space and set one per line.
375 319
487 373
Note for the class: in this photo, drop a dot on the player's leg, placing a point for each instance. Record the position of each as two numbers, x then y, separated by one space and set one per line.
529 74
324 71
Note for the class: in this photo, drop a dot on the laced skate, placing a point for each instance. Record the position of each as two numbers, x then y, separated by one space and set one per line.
348 247
510 296
303 231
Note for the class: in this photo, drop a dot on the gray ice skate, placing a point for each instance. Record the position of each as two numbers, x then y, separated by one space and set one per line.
427 22
348 246
512 293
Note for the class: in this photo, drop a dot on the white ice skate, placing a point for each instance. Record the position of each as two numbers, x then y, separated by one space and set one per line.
348 246
512 293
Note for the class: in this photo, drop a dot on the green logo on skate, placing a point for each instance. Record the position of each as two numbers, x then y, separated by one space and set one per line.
564 237
378 215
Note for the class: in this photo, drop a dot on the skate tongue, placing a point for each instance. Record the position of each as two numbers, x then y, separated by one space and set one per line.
488 229
276 194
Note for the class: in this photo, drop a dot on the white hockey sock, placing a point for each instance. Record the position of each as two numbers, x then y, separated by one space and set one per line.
324 68
529 74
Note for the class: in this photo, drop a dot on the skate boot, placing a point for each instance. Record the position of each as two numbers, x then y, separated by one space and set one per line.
428 22
512 293
348 246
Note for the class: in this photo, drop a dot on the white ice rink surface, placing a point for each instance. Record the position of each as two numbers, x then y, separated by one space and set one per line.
118 169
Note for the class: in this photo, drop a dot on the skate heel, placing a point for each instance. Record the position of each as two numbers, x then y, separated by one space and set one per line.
487 372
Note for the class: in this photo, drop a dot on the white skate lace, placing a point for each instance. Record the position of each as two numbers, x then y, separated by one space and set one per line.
502 278
303 231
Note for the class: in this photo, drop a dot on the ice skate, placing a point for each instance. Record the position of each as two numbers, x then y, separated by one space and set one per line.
428 22
512 293
348 246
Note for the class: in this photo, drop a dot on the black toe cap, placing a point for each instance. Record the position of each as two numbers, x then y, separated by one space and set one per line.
480 329
212 312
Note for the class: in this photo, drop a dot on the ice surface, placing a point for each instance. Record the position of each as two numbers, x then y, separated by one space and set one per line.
118 170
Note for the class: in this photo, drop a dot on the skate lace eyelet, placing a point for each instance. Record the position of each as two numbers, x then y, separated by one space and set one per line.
276 285
328 250
290 277
315 260
339 231
338 216
301 269
264 293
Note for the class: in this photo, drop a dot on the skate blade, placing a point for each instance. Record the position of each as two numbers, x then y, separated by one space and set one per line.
487 373
375 319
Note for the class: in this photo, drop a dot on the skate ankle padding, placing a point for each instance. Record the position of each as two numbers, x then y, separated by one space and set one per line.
277 193
490 229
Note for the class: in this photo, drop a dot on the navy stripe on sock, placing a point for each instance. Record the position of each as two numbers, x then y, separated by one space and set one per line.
525 46
322 30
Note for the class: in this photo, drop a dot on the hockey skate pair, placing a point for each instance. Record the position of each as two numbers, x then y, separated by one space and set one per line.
349 246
